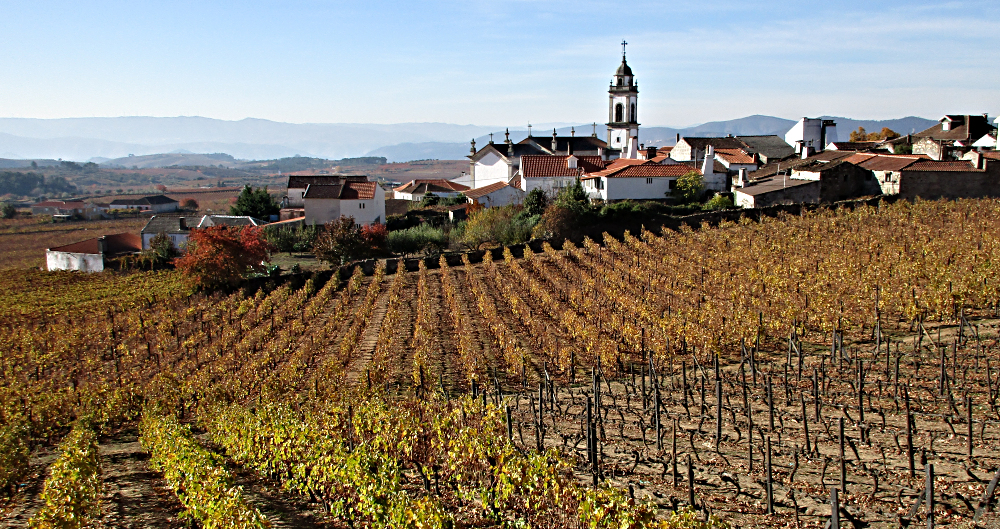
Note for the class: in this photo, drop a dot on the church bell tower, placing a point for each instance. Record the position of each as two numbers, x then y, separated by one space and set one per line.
623 123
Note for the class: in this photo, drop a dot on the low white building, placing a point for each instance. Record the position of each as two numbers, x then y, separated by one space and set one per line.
154 203
811 135
553 173
177 228
415 190
298 183
497 194
627 179
91 255
364 201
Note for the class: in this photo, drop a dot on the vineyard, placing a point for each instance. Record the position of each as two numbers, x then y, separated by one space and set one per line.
751 374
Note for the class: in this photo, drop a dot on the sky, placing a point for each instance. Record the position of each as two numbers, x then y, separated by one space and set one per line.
497 63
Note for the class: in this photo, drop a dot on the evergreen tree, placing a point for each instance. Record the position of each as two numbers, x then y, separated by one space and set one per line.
255 202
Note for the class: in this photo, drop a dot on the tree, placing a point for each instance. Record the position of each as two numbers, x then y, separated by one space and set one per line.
430 199
161 188
190 203
221 256
859 135
8 211
342 240
689 187
255 202
885 134
535 202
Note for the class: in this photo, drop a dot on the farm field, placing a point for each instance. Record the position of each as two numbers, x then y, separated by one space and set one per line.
23 240
713 366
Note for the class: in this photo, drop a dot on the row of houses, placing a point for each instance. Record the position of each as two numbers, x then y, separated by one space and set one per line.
96 210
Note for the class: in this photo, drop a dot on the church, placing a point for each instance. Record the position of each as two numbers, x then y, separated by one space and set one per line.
564 157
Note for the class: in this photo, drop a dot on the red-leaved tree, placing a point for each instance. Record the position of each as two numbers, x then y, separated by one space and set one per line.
224 255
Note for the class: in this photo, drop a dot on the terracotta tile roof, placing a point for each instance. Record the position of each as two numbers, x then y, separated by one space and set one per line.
961 166
734 155
114 244
963 128
436 185
541 166
485 190
771 168
645 169
882 162
991 155
347 191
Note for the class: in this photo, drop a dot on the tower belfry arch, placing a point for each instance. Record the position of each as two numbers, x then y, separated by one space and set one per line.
623 95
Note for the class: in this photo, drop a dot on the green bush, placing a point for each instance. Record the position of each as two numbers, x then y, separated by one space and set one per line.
417 239
718 202
495 226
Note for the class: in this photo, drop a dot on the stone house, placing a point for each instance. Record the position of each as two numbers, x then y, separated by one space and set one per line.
952 137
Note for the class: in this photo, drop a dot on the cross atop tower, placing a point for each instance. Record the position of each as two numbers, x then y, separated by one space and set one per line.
623 47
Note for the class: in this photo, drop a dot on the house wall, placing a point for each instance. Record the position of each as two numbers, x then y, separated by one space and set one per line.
501 197
490 170
801 194
847 181
888 181
929 147
635 188
165 208
950 184
323 210
294 196
551 185
83 262
178 239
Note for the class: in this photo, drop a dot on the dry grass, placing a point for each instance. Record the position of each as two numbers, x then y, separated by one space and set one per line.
23 240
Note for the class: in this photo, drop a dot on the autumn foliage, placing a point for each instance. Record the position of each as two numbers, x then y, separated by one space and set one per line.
342 240
221 256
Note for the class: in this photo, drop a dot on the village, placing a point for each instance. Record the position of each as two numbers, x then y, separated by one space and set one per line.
955 158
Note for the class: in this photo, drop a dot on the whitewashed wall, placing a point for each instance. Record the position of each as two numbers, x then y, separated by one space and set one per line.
491 169
83 262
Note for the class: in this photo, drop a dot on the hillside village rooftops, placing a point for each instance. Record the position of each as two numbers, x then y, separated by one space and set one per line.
118 243
770 146
345 191
884 162
154 200
960 128
772 168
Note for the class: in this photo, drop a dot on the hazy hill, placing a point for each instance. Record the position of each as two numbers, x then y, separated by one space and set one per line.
170 159
102 139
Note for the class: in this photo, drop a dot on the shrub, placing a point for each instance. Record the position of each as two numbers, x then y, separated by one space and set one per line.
342 240
535 202
689 187
504 225
430 199
8 211
190 203
256 203
422 238
719 201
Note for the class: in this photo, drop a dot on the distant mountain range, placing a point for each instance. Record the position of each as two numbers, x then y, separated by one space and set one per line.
104 139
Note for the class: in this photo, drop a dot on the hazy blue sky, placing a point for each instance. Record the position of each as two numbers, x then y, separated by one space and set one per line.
497 63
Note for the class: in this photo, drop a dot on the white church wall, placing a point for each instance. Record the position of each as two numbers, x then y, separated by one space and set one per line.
490 170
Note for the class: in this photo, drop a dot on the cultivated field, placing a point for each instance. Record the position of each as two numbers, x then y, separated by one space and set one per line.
713 367
23 240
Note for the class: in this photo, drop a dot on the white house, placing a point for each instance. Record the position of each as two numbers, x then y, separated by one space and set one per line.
177 228
297 185
155 204
415 190
553 173
498 194
634 179
365 201
90 255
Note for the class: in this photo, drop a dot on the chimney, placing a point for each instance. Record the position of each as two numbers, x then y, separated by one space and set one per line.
678 140
650 153
102 245
741 179
182 223
806 152
555 144
708 166
572 131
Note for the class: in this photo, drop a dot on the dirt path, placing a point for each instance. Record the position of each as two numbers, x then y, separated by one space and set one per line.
369 339
135 496
26 502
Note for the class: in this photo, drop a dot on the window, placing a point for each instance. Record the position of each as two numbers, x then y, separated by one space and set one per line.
672 184
600 183
619 109
361 205
649 180
632 114
620 81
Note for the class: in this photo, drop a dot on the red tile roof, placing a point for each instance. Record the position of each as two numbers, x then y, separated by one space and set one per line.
734 156
541 166
991 155
485 190
882 162
114 244
646 169
962 166
436 185
347 191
